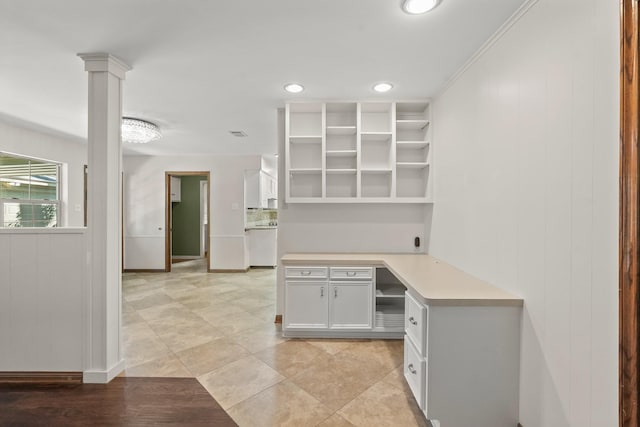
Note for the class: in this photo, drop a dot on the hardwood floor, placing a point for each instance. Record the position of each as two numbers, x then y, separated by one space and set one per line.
123 402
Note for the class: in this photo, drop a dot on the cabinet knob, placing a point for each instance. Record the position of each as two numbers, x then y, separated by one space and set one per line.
335 292
305 273
411 368
322 291
412 321
351 273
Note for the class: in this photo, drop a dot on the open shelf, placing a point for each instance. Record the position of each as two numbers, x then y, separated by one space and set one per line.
341 130
342 153
359 152
412 165
389 302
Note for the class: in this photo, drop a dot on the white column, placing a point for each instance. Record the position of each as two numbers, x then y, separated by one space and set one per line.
103 356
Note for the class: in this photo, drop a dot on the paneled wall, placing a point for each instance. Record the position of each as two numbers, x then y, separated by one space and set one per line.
527 198
42 288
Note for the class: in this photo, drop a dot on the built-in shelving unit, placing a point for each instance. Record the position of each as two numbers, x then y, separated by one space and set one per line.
358 152
389 302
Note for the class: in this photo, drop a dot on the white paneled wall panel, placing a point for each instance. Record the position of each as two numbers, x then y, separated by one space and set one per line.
526 184
41 309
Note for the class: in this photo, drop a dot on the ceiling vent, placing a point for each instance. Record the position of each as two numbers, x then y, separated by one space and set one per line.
238 133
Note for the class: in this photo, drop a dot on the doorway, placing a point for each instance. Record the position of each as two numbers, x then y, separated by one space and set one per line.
187 215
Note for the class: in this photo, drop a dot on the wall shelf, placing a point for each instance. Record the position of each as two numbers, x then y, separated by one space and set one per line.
358 152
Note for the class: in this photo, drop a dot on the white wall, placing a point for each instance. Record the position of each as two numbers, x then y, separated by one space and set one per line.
344 227
42 315
526 149
144 207
18 139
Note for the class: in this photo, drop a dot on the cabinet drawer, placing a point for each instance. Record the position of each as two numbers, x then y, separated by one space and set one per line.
309 272
415 323
351 273
414 372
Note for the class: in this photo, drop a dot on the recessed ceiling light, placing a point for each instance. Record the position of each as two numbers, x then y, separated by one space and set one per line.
382 87
293 87
416 7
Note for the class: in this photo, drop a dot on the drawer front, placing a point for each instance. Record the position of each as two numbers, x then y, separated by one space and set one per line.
343 273
306 272
414 372
415 323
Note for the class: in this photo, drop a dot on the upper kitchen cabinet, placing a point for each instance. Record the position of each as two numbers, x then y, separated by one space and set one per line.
259 188
358 152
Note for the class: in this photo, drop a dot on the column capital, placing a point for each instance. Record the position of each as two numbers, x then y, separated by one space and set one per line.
102 62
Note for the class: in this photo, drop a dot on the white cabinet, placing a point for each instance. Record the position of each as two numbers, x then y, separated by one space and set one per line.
358 152
350 306
462 362
175 189
316 305
259 188
307 304
263 247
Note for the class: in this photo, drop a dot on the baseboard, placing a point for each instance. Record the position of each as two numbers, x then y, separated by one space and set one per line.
267 267
144 270
40 377
103 377
223 270
278 319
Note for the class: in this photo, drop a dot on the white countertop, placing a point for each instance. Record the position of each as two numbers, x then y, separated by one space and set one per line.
430 280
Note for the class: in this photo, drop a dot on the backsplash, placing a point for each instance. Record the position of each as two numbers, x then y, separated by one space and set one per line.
261 217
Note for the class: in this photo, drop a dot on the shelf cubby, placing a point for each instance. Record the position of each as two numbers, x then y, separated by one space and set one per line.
375 117
305 183
389 301
412 182
304 156
375 183
341 183
305 119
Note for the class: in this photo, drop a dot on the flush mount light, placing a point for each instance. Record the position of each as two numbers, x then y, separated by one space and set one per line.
293 87
382 87
139 131
416 7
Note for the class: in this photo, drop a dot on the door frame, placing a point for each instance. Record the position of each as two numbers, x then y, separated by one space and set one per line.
629 253
167 213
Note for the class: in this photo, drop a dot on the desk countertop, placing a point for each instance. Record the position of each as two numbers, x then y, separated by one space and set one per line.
430 280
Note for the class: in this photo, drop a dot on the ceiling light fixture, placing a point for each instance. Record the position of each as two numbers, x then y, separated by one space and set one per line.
382 87
416 7
139 131
293 87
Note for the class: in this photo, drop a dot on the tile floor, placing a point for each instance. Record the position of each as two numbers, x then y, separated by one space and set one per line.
219 328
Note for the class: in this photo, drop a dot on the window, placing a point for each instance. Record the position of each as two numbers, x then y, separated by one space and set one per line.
29 192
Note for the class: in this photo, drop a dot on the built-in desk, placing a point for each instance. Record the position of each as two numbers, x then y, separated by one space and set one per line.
461 334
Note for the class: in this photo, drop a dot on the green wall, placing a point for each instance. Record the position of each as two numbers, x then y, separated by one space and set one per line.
186 218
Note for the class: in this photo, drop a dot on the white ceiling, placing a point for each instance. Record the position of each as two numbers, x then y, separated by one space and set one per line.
204 67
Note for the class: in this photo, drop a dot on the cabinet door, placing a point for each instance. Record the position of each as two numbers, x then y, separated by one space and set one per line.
306 305
351 305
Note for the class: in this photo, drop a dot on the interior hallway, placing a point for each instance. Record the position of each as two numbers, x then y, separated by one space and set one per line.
219 328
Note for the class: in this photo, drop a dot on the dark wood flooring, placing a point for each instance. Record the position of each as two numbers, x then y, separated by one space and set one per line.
122 402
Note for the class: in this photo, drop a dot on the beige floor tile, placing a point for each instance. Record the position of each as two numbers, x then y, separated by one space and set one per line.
385 406
260 338
131 317
153 299
336 421
168 366
332 346
283 404
239 380
267 313
292 356
253 303
183 333
338 379
389 354
234 323
165 310
141 350
210 356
